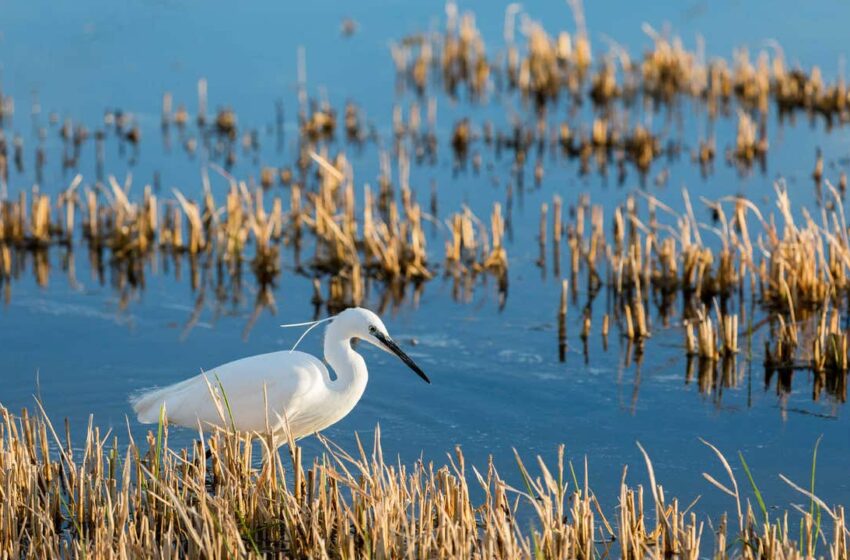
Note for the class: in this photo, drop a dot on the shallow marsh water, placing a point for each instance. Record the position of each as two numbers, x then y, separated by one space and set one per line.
497 381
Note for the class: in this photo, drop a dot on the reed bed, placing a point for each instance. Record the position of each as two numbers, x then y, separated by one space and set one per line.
542 68
149 499
752 269
785 271
383 240
782 271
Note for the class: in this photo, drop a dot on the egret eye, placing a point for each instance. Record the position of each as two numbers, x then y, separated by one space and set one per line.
372 329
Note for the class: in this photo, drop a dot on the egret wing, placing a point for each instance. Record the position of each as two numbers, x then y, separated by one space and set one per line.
251 394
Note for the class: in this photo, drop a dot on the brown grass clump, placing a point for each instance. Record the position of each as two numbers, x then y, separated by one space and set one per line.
455 58
473 248
748 145
668 69
319 124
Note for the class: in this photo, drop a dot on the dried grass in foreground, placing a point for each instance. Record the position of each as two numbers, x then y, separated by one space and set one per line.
149 500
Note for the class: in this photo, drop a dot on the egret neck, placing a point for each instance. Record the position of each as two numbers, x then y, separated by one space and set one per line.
349 368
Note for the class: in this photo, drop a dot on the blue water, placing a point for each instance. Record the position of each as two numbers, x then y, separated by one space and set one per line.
85 345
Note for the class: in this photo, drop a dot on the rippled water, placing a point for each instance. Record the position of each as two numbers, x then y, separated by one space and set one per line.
498 384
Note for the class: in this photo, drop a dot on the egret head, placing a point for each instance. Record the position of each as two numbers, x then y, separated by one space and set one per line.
365 325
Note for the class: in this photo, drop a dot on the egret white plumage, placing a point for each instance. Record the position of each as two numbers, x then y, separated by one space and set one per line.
289 393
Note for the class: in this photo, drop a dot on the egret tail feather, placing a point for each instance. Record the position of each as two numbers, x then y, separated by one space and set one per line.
147 404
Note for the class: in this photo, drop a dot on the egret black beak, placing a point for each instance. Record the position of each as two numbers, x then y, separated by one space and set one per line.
393 347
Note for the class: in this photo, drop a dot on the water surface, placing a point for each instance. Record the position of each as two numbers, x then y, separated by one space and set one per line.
85 343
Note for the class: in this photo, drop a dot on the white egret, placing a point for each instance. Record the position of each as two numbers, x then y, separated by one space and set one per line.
280 391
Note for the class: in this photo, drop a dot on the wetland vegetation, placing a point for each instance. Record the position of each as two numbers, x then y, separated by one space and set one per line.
580 227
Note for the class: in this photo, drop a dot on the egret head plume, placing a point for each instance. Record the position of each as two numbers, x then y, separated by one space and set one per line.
310 326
